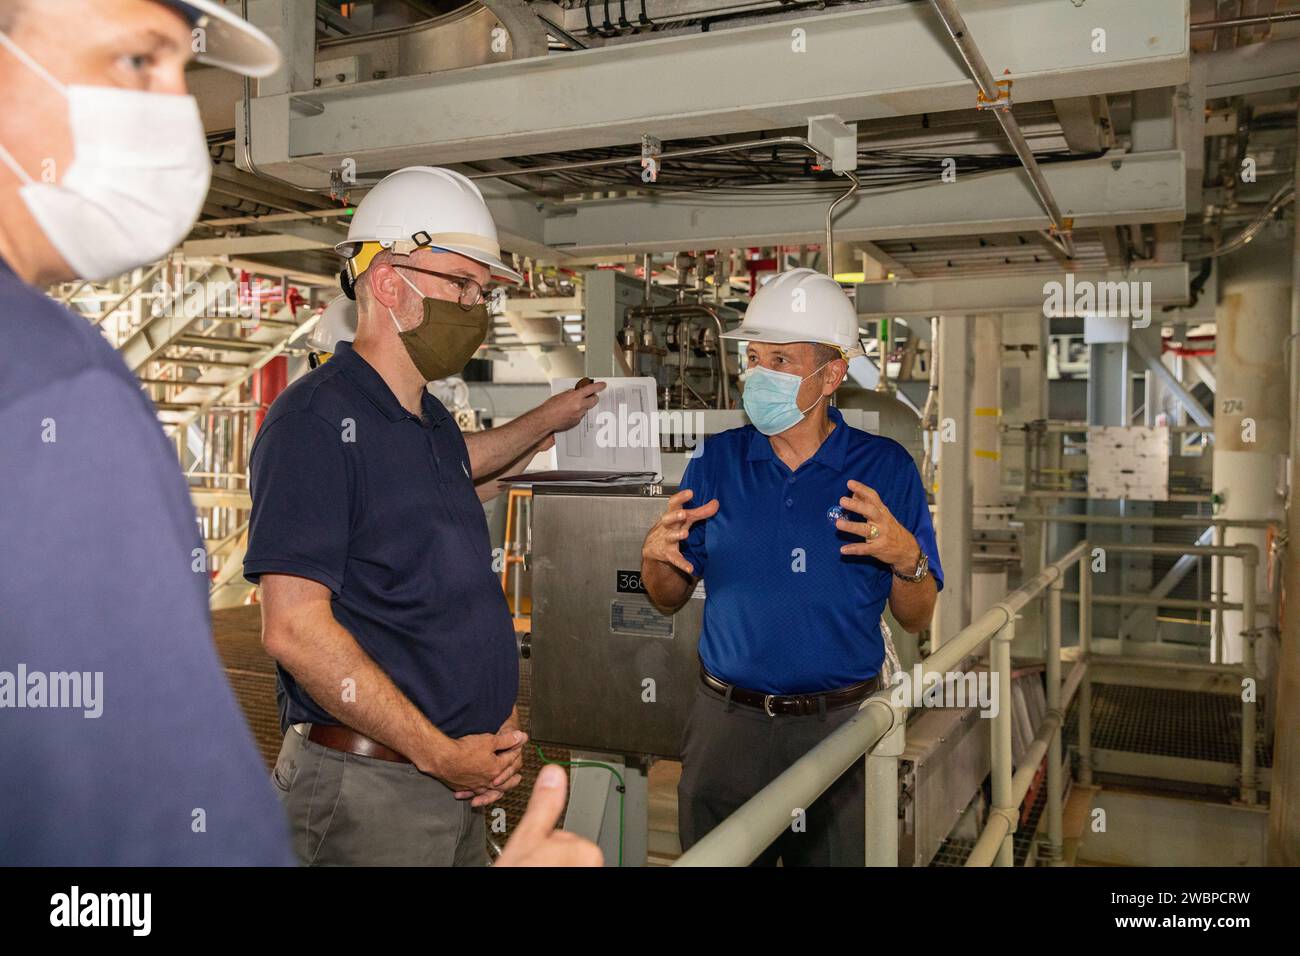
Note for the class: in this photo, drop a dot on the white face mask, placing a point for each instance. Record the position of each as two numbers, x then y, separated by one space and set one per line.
139 174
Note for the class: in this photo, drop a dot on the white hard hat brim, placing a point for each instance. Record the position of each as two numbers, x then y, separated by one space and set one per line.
348 248
775 337
499 269
230 41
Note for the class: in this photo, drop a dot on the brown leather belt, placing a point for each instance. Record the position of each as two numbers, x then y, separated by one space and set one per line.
337 737
797 704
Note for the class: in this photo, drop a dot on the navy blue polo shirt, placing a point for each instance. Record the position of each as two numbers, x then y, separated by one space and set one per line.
143 759
785 611
353 491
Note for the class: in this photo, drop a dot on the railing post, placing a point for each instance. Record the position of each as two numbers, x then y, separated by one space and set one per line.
1085 654
1000 751
882 792
1248 701
1055 837
1218 590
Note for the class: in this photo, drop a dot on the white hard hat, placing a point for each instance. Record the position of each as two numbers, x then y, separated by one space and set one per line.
801 305
338 323
422 206
229 41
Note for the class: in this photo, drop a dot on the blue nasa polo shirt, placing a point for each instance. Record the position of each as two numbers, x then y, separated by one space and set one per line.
353 491
786 612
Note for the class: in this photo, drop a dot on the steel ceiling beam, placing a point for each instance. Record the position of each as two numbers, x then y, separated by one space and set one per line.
1254 68
1062 226
861 64
1140 188
1006 293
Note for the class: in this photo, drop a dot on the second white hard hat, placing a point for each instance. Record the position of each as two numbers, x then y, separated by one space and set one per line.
338 323
422 206
801 305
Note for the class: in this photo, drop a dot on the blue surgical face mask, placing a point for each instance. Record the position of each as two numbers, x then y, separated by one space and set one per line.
771 399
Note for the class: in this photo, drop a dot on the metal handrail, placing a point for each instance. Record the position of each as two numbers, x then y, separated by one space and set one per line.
1248 554
1144 521
876 732
740 838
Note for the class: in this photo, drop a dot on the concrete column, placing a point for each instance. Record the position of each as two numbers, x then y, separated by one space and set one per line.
953 499
1284 803
988 584
1024 399
1252 421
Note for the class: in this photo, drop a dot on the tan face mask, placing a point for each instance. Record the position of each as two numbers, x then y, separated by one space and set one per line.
446 338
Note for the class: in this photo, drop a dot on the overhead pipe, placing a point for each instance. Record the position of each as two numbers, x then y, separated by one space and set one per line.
636 157
830 235
649 280
1233 22
983 76
1284 196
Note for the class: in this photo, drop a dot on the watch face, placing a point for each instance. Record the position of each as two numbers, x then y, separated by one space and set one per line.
922 566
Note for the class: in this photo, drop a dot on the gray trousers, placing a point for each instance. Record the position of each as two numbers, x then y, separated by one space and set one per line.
346 810
730 752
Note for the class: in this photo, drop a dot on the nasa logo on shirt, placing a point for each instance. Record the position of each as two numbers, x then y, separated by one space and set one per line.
834 513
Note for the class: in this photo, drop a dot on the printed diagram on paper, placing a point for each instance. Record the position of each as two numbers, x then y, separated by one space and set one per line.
620 434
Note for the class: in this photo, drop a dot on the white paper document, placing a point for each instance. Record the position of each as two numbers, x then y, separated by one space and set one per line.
617 441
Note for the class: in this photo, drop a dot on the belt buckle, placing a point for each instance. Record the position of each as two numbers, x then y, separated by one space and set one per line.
767 705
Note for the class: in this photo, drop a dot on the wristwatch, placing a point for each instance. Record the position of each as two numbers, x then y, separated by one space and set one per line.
922 569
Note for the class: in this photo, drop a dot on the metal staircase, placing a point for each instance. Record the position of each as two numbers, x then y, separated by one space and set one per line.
195 360
193 345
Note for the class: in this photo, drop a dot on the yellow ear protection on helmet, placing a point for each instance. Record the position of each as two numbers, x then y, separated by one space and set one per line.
360 262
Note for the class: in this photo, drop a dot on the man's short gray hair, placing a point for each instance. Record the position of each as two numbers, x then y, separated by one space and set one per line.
825 353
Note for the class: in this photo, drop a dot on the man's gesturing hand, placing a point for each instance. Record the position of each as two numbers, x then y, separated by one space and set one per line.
885 539
663 543
536 842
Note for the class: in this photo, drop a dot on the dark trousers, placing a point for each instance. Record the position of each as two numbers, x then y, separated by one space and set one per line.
730 752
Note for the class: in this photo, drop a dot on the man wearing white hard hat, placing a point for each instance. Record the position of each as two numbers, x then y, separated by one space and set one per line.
396 650
122 743
337 323
802 529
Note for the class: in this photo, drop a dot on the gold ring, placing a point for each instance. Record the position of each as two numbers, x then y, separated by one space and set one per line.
874 533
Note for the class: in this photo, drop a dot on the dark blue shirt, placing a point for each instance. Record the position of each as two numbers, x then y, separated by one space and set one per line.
785 612
353 491
99 576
